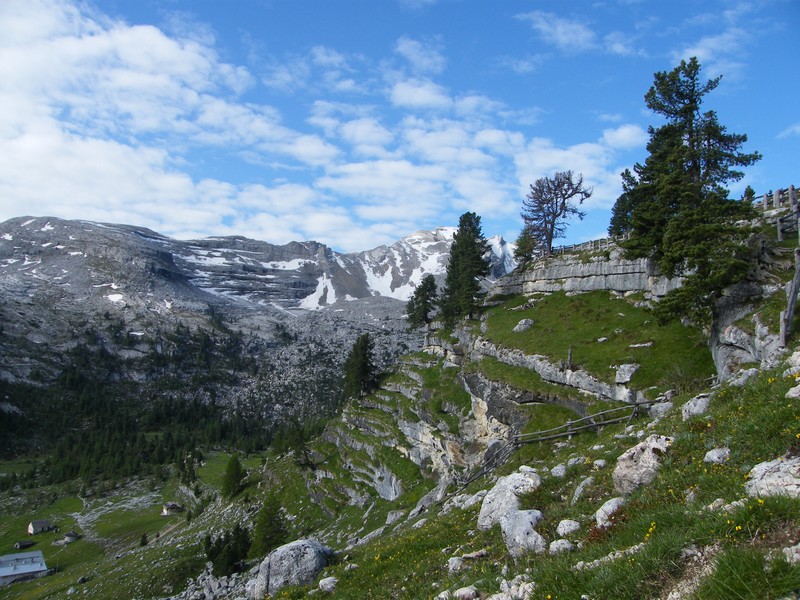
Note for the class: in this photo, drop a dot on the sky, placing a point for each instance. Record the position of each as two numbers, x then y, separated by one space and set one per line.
357 122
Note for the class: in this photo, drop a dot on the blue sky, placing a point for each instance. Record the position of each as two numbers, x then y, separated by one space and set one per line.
357 122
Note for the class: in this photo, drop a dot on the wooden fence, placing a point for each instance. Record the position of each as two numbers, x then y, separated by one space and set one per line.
594 422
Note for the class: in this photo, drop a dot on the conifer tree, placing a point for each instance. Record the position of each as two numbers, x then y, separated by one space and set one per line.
462 288
675 208
422 302
232 480
270 529
526 245
549 203
359 368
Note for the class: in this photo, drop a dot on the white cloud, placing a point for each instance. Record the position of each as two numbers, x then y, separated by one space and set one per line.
420 94
542 158
522 65
625 137
423 57
718 54
568 35
366 131
790 131
621 44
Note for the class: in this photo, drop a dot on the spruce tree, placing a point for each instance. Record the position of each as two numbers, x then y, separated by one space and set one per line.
270 529
232 480
462 287
359 368
422 302
675 208
526 245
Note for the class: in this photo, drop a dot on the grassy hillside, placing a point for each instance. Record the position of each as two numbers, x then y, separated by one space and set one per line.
667 522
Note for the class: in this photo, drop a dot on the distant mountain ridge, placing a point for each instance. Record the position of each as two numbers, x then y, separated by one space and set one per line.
298 275
119 303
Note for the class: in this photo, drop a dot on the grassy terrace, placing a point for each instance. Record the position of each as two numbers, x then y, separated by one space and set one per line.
666 517
671 356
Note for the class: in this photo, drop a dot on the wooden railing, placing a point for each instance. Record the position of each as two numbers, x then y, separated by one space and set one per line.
589 422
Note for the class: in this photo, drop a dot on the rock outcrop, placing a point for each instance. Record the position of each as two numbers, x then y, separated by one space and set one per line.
601 271
295 563
637 466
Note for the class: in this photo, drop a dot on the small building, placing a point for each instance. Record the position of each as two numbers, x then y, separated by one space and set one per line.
21 567
170 508
22 544
39 526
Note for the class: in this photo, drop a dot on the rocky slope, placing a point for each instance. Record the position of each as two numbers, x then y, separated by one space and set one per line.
272 324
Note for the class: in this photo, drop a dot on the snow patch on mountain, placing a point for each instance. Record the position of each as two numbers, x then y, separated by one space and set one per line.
324 295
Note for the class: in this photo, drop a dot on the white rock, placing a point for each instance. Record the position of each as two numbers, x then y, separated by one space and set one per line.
567 527
558 471
792 554
793 393
575 461
662 409
466 593
637 466
328 584
696 406
519 532
455 564
523 325
580 489
779 477
295 563
600 463
742 377
625 372
717 456
503 497
604 512
561 546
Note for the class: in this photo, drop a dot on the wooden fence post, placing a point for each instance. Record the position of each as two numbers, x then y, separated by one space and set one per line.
765 202
792 287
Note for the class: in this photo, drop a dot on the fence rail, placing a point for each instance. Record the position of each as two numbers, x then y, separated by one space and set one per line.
593 421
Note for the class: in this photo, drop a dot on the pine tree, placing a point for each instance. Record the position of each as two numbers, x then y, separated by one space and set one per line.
270 529
526 245
359 368
422 302
232 480
674 208
462 291
550 202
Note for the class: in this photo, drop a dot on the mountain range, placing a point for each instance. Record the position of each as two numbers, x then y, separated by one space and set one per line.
254 323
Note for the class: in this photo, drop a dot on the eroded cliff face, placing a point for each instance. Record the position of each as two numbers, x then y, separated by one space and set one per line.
739 338
603 270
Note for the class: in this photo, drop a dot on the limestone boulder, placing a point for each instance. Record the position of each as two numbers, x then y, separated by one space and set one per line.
779 477
603 515
637 466
567 527
717 456
295 563
328 584
523 325
519 532
696 406
504 496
